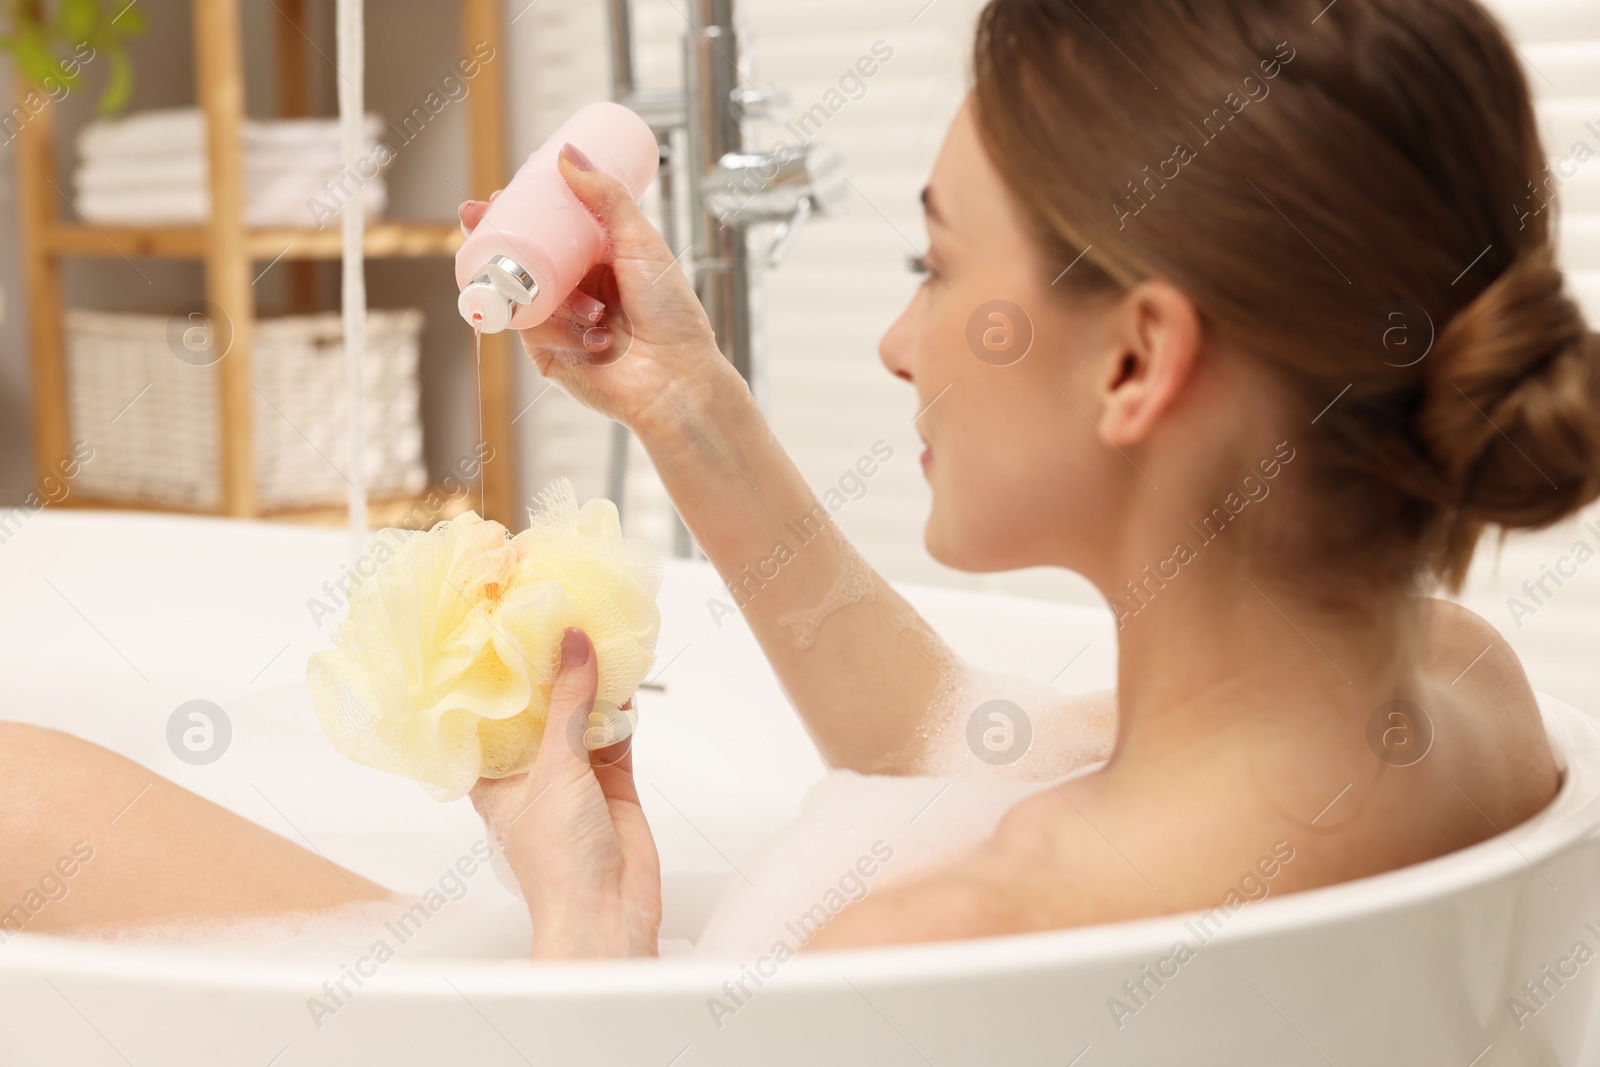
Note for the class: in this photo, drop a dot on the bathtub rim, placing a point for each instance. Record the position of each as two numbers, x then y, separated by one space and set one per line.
1568 823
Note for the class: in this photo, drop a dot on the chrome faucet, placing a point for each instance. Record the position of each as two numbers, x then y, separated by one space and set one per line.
731 187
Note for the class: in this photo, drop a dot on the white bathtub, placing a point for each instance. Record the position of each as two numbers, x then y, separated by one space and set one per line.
115 620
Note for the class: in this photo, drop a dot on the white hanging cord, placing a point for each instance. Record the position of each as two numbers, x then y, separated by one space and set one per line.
352 107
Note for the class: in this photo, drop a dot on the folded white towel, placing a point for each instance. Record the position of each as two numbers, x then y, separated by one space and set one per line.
151 168
192 206
182 130
158 171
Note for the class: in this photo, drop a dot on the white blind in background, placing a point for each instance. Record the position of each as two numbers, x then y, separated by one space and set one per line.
1559 41
828 397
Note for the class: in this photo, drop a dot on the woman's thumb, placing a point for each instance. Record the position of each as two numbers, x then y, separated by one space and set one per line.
631 233
572 696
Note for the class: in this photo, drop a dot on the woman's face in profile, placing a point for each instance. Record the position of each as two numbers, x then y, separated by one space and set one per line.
1004 366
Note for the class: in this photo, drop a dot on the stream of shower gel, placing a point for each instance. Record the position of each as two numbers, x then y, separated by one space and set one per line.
483 477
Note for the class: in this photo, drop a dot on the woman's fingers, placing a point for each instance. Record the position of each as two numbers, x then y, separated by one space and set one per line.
574 325
490 796
586 307
471 212
565 333
613 769
572 693
632 236
499 802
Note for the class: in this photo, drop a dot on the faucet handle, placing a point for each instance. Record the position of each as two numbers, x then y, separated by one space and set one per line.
783 236
749 188
758 102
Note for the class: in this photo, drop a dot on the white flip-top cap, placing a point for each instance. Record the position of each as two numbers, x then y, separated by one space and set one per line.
484 307
488 301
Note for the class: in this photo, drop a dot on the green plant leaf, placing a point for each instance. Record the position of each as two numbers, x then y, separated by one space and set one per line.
129 20
119 82
77 19
37 44
33 57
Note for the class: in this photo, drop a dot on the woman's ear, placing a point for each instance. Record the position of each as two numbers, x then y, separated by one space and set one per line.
1155 348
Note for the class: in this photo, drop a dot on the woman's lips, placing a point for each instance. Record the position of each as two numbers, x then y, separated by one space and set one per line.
927 458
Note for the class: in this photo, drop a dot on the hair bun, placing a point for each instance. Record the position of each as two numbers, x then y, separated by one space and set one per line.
1511 412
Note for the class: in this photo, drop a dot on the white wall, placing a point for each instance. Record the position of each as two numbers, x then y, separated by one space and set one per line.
828 398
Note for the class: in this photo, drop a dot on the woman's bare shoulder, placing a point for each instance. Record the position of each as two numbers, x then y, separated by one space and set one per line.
1491 708
1089 851
1464 654
1033 874
1459 645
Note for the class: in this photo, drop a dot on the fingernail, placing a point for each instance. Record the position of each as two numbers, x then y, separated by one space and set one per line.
574 155
574 648
588 307
596 337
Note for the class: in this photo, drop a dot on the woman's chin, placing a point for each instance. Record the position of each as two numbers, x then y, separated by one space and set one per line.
949 547
981 550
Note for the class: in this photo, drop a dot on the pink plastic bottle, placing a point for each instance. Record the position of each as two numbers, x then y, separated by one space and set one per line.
537 241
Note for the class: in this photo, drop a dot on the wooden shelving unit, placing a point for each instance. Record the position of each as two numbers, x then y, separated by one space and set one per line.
384 239
233 253
381 510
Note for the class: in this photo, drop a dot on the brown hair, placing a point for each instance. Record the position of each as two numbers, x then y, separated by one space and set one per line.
1334 188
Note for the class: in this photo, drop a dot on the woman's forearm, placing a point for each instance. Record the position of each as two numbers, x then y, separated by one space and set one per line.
855 658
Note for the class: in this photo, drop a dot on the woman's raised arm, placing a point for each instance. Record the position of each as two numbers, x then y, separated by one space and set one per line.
857 661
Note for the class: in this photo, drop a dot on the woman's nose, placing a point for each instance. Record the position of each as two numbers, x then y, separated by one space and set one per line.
896 346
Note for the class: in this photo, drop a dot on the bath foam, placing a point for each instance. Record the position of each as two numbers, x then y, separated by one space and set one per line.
478 924
281 935
855 835
1059 733
442 668
1064 732
858 834
854 584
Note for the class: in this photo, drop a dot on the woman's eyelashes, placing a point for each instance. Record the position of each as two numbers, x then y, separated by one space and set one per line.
917 263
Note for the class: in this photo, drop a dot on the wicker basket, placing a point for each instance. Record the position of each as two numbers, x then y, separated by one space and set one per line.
153 419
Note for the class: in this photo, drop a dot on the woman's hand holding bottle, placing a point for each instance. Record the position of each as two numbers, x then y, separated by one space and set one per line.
633 341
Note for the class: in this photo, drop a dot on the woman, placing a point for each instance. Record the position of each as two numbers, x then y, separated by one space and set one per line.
1228 226
1233 230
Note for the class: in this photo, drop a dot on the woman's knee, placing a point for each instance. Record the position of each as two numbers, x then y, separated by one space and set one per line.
30 753
53 783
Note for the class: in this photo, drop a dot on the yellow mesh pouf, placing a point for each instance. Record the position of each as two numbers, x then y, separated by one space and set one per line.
442 668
